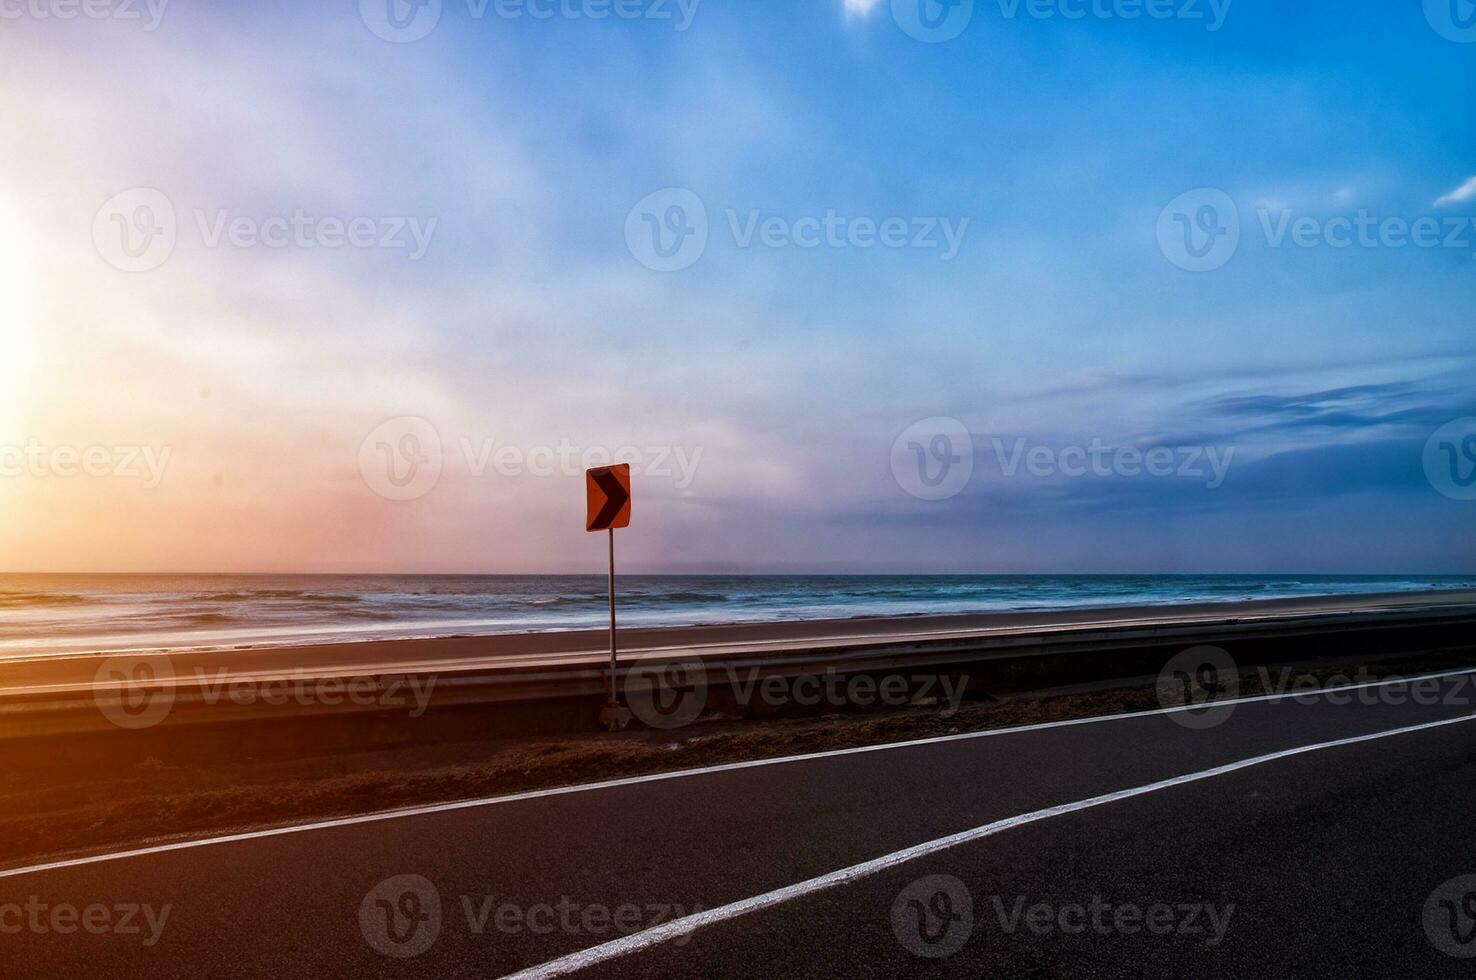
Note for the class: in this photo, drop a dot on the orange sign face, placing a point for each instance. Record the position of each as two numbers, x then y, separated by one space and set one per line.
608 490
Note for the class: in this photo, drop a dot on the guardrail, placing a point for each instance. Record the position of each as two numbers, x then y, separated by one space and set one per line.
567 695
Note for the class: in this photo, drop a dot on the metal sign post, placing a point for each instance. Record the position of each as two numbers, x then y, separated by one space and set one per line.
613 658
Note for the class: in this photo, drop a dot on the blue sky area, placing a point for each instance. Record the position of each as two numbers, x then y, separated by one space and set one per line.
1067 155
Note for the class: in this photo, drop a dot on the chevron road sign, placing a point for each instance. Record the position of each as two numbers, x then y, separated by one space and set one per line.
608 490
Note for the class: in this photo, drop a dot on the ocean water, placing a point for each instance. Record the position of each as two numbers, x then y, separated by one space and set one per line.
61 614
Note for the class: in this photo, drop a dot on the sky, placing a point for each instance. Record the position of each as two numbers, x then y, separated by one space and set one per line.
856 285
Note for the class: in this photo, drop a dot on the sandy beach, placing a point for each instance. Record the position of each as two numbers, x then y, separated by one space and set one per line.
563 649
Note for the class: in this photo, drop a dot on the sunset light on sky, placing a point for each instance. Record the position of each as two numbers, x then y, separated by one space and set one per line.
489 291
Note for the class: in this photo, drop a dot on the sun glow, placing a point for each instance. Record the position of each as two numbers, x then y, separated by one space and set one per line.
17 325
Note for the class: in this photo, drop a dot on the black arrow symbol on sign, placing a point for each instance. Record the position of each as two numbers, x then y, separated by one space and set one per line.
616 498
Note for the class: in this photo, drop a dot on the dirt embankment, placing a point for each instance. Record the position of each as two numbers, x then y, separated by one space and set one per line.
71 796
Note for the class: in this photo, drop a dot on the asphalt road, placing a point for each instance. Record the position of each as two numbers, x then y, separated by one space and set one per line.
1321 862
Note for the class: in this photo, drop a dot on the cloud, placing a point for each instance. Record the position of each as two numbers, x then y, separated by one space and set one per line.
1465 192
860 8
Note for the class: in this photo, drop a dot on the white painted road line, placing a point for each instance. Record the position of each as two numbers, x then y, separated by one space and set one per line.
677 928
707 770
